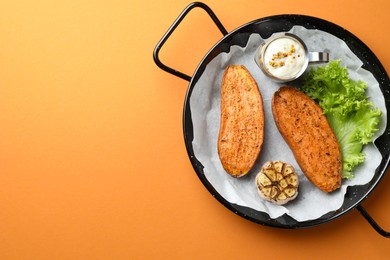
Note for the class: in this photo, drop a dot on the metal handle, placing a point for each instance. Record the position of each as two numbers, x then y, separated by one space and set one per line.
318 57
172 29
372 222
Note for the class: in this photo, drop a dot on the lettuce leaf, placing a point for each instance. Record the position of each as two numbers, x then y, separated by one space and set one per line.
352 117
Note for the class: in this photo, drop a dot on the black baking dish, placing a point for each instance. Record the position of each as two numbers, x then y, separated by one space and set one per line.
266 27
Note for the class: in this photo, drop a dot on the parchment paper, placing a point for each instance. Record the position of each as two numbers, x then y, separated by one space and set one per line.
311 203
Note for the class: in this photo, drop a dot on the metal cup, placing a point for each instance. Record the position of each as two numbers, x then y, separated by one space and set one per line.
284 57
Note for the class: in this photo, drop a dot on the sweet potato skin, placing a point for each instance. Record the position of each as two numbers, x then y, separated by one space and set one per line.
241 131
306 130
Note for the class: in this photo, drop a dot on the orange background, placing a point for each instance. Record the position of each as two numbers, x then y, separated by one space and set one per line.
92 157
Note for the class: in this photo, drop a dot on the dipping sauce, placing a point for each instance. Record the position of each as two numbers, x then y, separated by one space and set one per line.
284 58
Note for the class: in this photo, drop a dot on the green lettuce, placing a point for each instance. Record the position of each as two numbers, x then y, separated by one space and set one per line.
352 117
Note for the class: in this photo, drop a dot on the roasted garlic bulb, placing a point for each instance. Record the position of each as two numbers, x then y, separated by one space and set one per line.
277 182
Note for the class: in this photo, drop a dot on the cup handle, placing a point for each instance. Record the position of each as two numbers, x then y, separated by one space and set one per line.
318 57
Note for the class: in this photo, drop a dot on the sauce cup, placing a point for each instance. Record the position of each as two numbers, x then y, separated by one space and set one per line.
285 57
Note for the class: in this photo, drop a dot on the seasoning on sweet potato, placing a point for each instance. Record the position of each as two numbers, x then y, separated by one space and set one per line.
306 130
241 131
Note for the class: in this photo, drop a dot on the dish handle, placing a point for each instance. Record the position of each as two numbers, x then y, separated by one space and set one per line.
372 222
172 29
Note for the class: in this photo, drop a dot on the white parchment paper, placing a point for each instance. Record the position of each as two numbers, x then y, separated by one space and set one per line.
311 203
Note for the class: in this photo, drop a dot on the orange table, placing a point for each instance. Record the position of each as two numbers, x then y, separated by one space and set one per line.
92 158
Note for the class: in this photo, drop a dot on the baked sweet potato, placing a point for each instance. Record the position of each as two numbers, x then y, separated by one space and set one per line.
306 130
241 131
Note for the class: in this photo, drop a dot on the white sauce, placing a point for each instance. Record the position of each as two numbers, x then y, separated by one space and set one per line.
284 57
